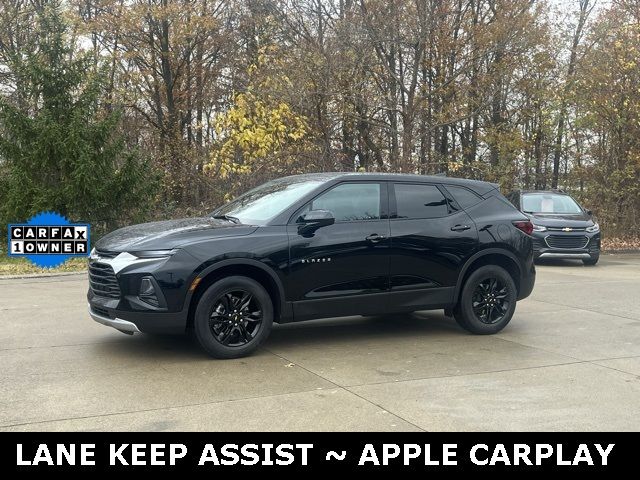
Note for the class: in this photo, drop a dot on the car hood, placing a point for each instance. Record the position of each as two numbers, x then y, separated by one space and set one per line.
578 220
169 234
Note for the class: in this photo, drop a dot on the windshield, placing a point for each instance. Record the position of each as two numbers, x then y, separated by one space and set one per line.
549 203
258 206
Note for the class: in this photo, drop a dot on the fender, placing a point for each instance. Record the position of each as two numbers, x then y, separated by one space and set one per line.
284 312
476 256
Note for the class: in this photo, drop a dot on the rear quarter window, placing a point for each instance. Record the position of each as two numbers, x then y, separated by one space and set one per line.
465 197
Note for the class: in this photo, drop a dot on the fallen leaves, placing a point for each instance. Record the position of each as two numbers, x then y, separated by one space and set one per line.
620 244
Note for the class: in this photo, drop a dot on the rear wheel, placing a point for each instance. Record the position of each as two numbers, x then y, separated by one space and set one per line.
592 260
233 317
487 302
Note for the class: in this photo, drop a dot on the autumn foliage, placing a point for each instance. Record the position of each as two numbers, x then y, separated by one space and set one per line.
260 134
217 96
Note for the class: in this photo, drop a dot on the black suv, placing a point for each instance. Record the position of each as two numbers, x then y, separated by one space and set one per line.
319 245
561 227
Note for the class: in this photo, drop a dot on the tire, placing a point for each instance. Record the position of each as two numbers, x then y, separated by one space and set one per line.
592 260
486 318
221 331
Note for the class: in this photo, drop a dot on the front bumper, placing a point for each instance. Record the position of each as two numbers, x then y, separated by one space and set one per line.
582 256
114 300
113 313
579 245
118 323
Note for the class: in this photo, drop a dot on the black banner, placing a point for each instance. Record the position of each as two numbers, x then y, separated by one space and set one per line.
318 452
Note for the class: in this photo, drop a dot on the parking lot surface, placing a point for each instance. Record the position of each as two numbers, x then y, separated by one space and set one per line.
569 360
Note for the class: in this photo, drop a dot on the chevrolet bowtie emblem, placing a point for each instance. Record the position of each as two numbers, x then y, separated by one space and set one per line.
567 229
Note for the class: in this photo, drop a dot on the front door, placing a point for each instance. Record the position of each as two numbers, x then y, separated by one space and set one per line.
334 264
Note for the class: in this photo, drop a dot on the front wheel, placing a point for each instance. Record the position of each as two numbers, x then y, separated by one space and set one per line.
592 260
233 317
488 301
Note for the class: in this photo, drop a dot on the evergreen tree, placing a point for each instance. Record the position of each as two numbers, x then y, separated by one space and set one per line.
59 146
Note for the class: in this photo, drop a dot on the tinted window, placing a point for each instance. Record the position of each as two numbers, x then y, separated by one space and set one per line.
420 201
351 201
465 197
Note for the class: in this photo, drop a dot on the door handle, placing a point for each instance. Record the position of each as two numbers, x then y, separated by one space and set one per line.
375 238
460 228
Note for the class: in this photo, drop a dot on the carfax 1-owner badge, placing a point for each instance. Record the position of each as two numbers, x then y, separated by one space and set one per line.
48 239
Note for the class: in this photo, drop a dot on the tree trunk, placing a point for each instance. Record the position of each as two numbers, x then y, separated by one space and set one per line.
585 9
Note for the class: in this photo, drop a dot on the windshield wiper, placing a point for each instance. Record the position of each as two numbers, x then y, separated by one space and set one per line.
228 218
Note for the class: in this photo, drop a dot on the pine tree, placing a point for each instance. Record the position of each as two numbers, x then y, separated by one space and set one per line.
59 146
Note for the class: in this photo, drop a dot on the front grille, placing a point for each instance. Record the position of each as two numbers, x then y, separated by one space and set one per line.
103 281
567 242
573 229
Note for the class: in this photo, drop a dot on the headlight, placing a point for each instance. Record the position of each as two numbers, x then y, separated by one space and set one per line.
539 228
595 228
126 259
153 253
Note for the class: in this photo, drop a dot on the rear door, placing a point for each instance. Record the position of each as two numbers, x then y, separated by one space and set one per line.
431 237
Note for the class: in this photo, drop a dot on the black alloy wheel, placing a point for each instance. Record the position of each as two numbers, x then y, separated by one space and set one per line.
487 301
233 317
490 300
236 318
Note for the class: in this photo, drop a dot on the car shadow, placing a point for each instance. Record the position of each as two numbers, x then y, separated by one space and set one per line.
148 347
362 329
171 348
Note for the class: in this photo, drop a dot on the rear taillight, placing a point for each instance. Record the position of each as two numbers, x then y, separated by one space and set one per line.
526 226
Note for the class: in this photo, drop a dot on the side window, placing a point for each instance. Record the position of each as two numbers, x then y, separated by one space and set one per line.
420 201
351 202
513 198
465 197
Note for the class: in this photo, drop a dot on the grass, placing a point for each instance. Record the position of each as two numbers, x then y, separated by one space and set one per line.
22 266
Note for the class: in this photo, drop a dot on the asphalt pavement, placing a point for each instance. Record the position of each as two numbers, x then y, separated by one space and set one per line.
569 360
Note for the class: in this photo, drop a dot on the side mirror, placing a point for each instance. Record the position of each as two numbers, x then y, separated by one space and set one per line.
589 212
315 219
